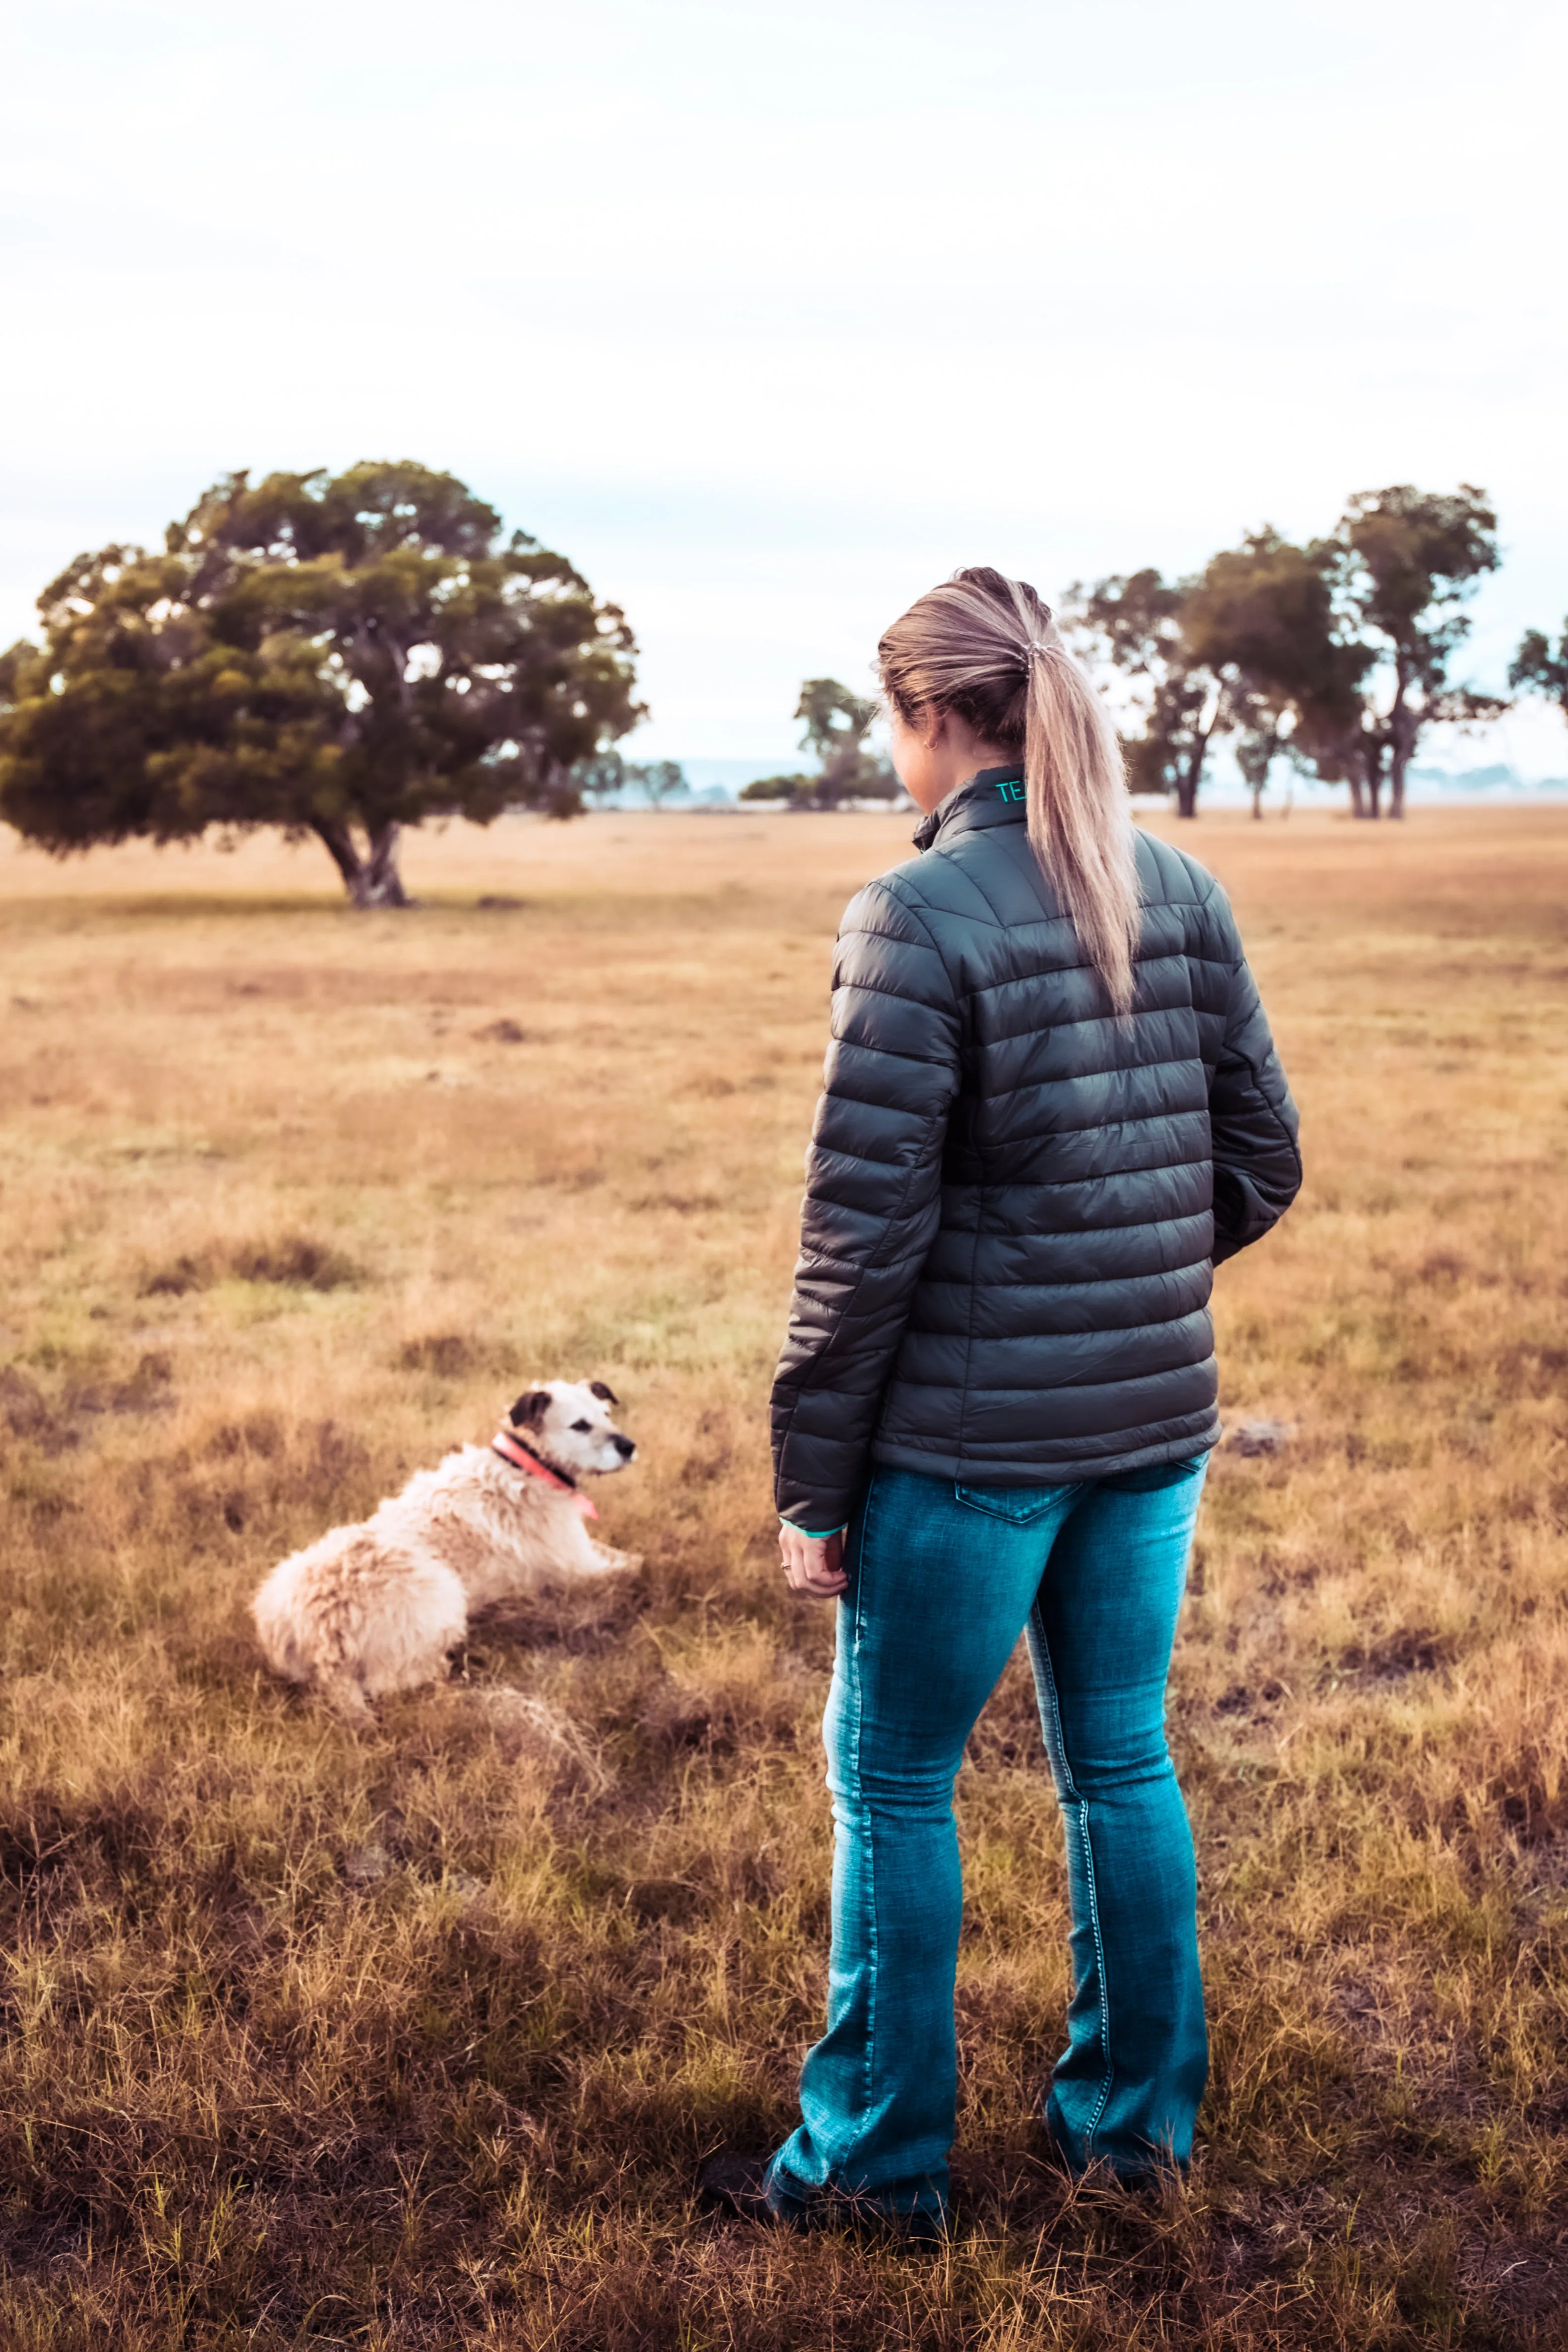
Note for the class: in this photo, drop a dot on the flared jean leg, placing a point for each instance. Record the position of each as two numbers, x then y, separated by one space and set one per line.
1127 2089
878 2092
934 1609
942 1580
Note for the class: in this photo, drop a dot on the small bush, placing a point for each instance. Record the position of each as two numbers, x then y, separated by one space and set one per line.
446 1353
776 788
294 1260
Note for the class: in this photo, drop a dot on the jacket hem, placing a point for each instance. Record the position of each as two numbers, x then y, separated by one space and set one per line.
1046 1469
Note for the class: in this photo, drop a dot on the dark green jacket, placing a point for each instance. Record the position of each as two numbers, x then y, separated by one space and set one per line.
1014 1203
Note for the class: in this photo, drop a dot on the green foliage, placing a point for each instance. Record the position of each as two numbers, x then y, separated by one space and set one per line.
835 719
659 781
1261 618
1537 670
1133 621
835 724
779 788
1226 652
1335 655
601 776
1402 562
320 653
607 776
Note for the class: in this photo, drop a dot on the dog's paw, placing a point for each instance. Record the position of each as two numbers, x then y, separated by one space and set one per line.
345 1696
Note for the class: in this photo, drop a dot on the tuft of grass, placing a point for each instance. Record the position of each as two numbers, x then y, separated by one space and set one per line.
446 1354
415 2040
294 1260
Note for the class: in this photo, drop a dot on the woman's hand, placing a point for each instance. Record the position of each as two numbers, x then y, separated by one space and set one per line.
813 1564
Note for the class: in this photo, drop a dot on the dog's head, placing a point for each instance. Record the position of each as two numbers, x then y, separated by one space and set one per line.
567 1424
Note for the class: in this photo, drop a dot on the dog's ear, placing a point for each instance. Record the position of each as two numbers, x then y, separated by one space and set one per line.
531 1408
601 1388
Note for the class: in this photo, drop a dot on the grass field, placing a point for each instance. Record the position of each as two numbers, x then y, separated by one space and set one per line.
415 2039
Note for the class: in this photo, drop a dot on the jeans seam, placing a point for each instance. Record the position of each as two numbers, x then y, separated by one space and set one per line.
872 1939
1081 1801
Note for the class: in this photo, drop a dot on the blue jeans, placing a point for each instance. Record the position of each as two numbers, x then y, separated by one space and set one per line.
942 1579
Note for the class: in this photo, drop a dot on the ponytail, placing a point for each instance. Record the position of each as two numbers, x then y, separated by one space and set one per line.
1081 825
985 647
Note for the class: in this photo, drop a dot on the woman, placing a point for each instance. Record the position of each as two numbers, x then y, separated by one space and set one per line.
1051 1105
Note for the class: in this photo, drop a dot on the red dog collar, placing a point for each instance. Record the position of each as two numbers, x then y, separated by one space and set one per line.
512 1449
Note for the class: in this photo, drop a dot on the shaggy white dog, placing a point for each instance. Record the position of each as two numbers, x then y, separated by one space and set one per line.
374 1608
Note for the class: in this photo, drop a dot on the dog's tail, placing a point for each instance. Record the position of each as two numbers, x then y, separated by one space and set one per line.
276 1628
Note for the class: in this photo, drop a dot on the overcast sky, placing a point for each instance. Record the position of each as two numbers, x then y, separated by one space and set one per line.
769 316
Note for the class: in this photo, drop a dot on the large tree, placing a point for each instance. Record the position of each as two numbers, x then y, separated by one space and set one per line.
1336 655
1401 565
1259 620
337 655
1224 654
835 723
1133 622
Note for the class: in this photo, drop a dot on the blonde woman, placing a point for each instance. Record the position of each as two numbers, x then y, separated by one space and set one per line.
1051 1105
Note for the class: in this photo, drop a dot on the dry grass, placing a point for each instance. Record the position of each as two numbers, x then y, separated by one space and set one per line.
415 2040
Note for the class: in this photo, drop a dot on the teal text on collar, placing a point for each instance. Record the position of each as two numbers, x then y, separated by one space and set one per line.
1011 790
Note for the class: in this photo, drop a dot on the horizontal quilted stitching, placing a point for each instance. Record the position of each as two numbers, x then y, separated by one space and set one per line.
1014 1201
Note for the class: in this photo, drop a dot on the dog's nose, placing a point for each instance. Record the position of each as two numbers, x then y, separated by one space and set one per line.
624 1447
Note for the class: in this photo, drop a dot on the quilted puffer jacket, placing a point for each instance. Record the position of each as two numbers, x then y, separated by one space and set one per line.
1014 1203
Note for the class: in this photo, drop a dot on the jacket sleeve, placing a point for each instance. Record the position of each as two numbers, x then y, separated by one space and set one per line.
1252 1121
872 1202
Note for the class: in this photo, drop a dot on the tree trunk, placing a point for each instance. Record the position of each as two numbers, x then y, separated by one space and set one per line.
1404 728
1189 778
1401 752
372 881
1396 768
383 884
1366 783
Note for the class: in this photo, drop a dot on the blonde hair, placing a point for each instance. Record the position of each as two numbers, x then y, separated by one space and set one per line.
987 648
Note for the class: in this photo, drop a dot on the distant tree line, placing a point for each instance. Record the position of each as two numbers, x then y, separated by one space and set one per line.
835 724
607 778
345 655
1335 655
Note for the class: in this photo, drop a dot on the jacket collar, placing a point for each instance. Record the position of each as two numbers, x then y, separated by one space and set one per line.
993 796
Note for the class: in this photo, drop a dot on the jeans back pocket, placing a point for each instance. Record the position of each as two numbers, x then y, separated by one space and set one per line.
1019 1506
1155 1475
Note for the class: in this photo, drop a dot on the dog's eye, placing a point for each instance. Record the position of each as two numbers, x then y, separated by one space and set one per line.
584 1426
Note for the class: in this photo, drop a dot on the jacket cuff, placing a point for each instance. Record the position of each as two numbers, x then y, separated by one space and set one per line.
813 1535
804 1503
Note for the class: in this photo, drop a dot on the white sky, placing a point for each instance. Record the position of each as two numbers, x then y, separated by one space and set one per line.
770 316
